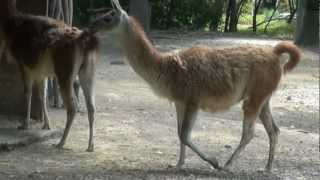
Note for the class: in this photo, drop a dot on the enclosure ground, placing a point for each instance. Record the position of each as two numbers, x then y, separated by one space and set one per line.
135 131
13 138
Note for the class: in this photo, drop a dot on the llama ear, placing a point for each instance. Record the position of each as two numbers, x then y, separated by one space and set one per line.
116 5
113 5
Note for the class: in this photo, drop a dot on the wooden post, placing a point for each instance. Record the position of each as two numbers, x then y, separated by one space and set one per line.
7 8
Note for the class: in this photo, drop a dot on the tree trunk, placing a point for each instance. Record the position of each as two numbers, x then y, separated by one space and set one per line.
218 11
256 6
228 12
233 16
307 30
233 13
170 14
141 10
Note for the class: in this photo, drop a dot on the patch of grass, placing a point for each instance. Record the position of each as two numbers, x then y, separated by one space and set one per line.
246 19
278 29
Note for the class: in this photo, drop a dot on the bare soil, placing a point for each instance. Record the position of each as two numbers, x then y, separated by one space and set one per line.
135 131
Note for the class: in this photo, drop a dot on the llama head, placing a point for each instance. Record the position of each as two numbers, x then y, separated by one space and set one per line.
114 20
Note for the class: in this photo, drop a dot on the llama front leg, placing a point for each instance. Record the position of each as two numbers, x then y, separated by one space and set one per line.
189 117
28 97
180 110
86 78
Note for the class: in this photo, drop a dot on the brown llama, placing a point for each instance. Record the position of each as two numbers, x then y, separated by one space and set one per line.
211 79
44 47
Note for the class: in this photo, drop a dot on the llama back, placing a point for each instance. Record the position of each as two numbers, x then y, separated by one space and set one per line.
216 74
38 42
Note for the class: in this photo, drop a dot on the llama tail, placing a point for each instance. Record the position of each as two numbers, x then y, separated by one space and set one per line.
89 39
292 50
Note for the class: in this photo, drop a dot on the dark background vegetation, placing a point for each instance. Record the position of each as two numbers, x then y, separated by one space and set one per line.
288 19
276 18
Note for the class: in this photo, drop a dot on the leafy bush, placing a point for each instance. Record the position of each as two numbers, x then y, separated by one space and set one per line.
192 14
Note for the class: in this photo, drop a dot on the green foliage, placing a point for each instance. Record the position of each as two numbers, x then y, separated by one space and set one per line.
191 14
247 9
194 15
278 28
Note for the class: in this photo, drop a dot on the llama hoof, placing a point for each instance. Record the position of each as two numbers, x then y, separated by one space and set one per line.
225 169
90 149
46 127
179 164
264 172
214 163
267 170
179 167
59 146
23 127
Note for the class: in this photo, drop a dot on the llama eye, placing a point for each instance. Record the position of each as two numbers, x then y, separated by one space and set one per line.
113 13
107 19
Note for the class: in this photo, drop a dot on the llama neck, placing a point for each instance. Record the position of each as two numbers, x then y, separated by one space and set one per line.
141 54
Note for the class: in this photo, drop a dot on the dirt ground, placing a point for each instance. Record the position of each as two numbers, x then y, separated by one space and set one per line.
135 131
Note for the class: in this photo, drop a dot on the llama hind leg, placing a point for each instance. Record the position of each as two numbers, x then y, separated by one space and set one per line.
251 108
182 154
70 105
86 78
272 131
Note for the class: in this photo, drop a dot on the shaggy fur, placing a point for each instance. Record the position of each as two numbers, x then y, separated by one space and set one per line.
211 79
214 77
44 47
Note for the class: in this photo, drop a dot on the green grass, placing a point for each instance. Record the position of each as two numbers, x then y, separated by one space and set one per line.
246 19
277 28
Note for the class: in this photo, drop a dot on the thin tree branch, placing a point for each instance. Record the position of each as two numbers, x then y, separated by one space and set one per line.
273 12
